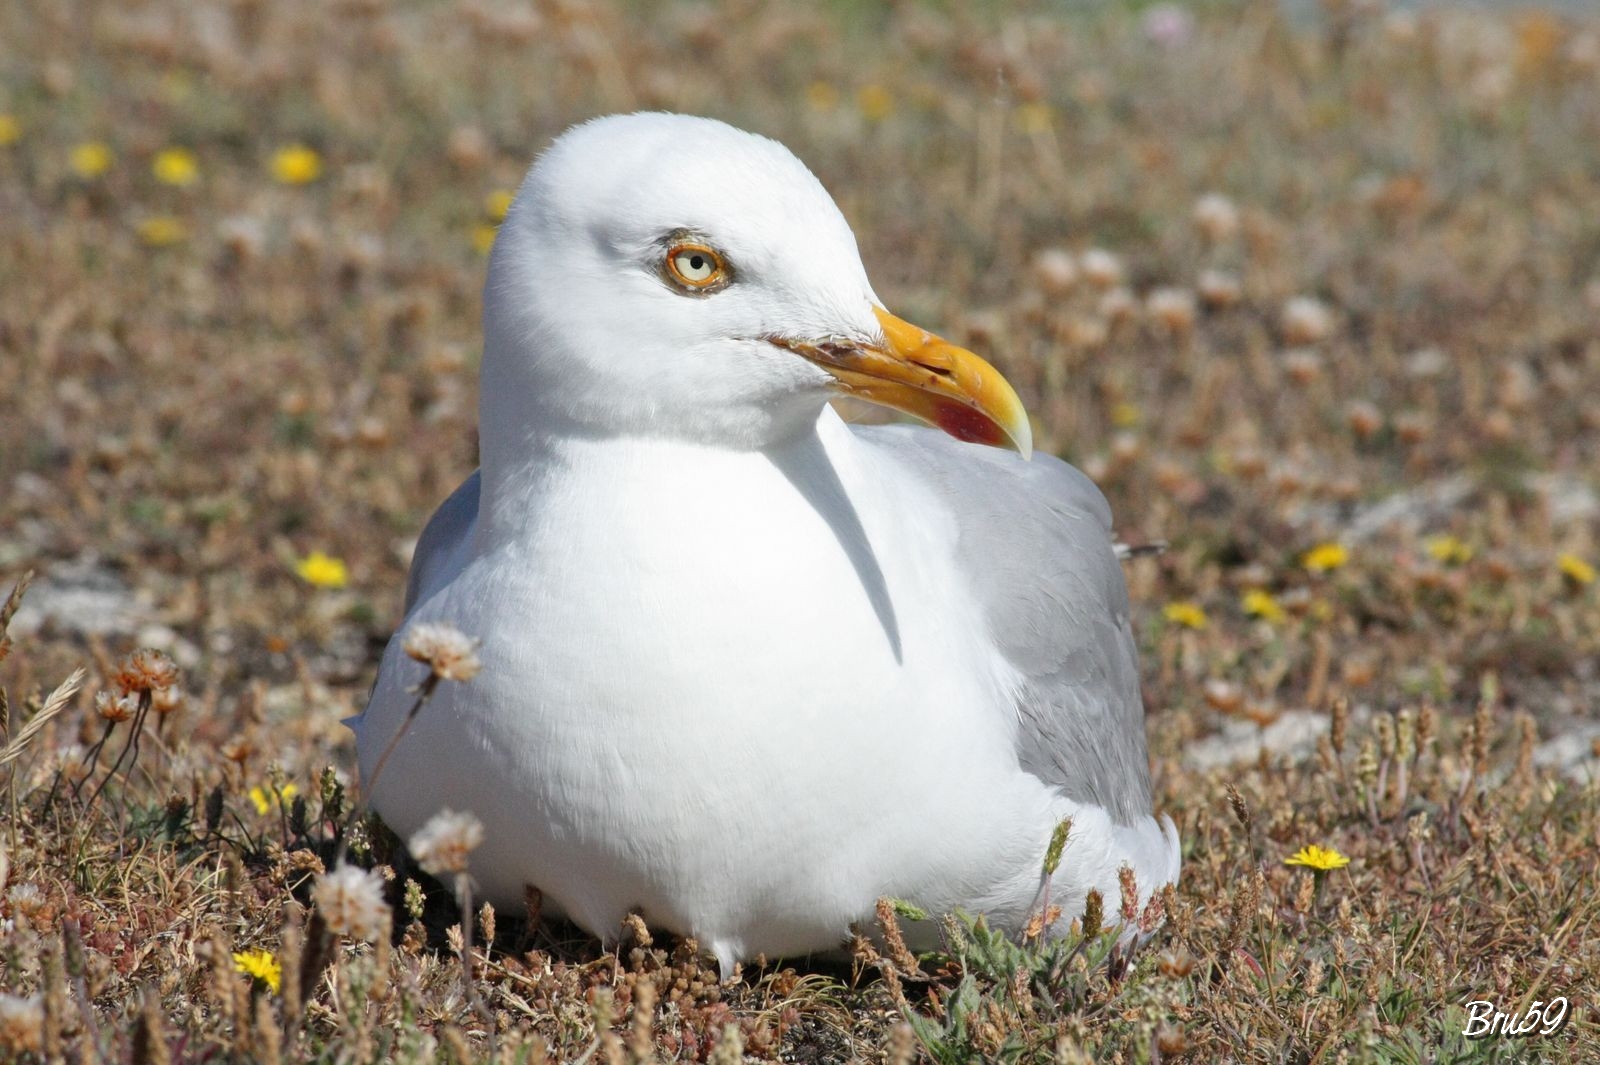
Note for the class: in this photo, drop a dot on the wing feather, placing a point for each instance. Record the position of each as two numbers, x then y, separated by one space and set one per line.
441 548
1036 538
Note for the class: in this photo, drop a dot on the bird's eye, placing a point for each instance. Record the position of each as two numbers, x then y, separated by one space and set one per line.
695 267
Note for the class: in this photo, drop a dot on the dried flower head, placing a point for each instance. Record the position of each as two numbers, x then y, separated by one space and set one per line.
1306 321
115 707
1218 288
1118 306
1364 418
26 900
72 761
165 700
351 902
1216 217
443 844
243 235
1172 308
146 670
1101 268
468 147
1057 270
444 649
1168 25
1302 365
21 1023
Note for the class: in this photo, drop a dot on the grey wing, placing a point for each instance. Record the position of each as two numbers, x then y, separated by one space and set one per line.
1037 536
443 543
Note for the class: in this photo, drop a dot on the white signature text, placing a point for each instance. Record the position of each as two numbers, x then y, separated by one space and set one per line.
1541 1018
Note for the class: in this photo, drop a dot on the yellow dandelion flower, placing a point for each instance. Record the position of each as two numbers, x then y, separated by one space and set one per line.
1262 604
90 159
822 96
498 204
296 165
1125 415
1320 859
1575 569
163 231
875 103
175 166
1447 549
483 235
323 571
261 966
10 130
1185 613
1035 117
264 798
1325 557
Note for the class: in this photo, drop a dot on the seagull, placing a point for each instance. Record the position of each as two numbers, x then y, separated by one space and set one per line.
748 668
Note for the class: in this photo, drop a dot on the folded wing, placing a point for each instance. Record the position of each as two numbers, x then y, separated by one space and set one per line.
1036 536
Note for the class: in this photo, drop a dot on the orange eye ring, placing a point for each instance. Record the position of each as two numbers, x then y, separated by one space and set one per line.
695 268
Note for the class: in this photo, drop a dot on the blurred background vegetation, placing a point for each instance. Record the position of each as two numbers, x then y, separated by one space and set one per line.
1313 292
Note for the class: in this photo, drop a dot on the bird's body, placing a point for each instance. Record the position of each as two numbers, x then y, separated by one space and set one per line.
748 674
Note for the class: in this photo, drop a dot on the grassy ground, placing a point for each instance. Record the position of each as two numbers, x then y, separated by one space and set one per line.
1355 388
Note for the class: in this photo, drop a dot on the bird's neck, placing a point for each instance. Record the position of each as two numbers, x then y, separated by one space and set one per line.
540 464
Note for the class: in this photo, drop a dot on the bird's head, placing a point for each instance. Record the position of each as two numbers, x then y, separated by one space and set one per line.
669 275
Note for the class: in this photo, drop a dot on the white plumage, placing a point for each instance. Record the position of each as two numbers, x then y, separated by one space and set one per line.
747 668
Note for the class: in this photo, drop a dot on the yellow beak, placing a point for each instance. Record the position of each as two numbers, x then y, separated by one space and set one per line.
919 374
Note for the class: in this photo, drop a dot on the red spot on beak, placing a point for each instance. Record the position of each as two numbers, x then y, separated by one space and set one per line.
966 424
